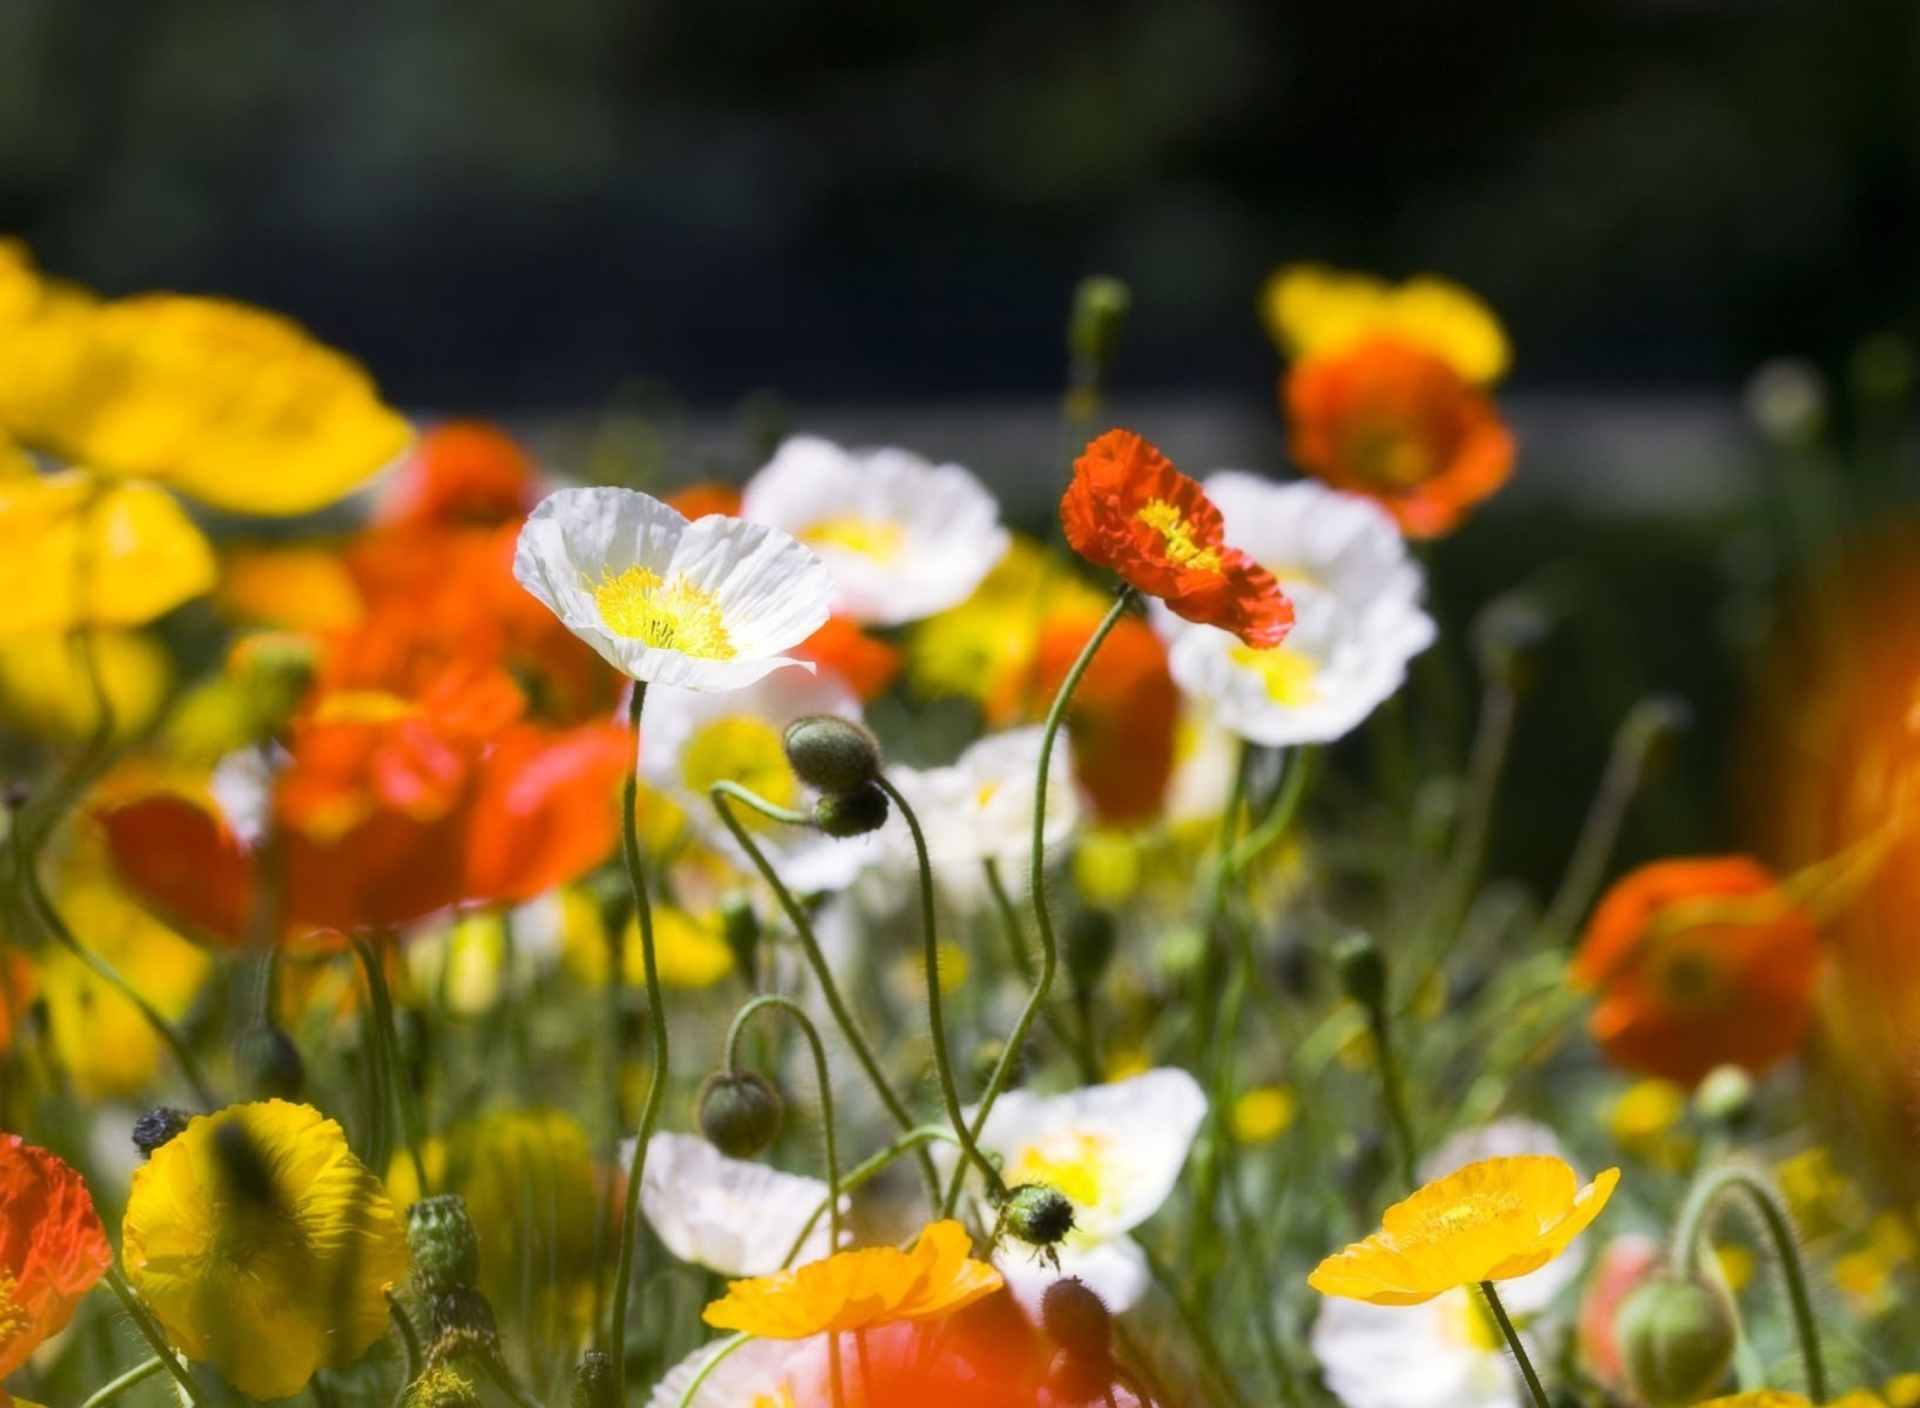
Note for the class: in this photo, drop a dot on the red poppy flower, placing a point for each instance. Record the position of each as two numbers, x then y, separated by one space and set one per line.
1398 423
462 472
52 1248
1129 510
1696 964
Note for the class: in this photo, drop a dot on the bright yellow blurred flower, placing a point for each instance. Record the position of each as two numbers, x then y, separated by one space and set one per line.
859 1290
1736 1265
1759 1398
1311 309
1902 1390
1645 1121
1263 1114
689 949
45 689
1490 1221
76 550
263 1246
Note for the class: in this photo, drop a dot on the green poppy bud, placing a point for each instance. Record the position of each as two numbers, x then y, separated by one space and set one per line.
1077 1320
832 754
1677 1338
846 814
446 1249
739 1112
1363 970
1037 1214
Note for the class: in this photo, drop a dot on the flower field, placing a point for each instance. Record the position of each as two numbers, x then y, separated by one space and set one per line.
793 934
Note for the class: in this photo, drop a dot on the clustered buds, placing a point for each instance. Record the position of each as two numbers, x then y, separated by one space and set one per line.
1677 1336
739 1112
839 759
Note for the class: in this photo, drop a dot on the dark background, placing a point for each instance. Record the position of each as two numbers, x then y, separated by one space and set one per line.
517 204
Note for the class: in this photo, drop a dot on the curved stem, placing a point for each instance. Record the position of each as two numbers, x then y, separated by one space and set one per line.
1009 920
107 1392
413 1360
936 1018
722 792
821 1078
1690 1230
657 1077
42 907
154 1336
387 1033
1501 1319
1037 878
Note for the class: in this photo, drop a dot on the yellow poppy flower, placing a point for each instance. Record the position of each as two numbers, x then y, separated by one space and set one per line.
1490 1221
859 1290
1311 309
46 691
263 1246
1760 1398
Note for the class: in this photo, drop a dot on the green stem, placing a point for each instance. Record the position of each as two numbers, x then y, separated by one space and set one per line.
1037 878
656 1078
1082 1041
387 1034
413 1360
936 1018
1009 920
1501 1319
154 1336
721 792
1689 1235
821 1078
868 1169
1393 1094
107 1392
42 907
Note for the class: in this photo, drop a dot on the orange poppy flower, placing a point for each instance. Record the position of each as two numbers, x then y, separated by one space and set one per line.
1123 718
1396 422
859 1290
1699 963
868 664
1129 510
462 472
52 1248
16 991
710 496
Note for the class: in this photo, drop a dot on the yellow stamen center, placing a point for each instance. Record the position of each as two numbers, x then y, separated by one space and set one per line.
667 615
13 1315
362 706
1287 674
745 750
1182 549
1070 1160
869 537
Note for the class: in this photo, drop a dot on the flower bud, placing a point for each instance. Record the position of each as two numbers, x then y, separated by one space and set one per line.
1725 1097
832 754
268 1064
1678 1339
1038 1214
739 1112
1100 307
463 1325
855 813
446 1249
156 1127
740 927
1363 970
593 1382
1507 637
1090 943
1077 1320
438 1387
1072 1379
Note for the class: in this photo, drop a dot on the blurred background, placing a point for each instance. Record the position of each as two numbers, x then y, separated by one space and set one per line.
866 217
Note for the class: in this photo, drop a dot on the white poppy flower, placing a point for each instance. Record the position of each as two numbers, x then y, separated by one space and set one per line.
729 1215
1116 1152
707 605
981 807
904 538
759 1374
1358 620
694 740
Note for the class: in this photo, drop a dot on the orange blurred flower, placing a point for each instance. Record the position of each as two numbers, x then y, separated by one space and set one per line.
1122 720
709 496
462 473
868 664
1129 510
859 1290
1699 963
52 1248
16 991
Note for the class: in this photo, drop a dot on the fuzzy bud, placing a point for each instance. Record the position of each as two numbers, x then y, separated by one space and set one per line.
1677 1338
1077 1320
1725 1097
832 754
847 814
1037 1214
593 1382
739 1112
268 1064
446 1249
740 927
156 1127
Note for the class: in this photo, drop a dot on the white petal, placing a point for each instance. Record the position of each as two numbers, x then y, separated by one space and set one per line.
757 1372
732 1216
1415 1356
1115 1270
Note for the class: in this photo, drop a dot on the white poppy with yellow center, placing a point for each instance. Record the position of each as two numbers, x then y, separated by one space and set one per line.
1358 620
1116 1152
981 807
758 1374
904 538
694 740
706 605
733 1216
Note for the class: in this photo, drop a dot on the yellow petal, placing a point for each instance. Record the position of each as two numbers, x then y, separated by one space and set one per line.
75 550
1311 309
46 691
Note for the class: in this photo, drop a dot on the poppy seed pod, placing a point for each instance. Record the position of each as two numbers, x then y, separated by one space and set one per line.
1077 1320
1037 1214
832 754
445 1248
1678 1339
847 814
739 1112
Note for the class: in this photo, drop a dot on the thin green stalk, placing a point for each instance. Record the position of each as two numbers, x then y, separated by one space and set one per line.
1081 1043
936 1018
154 1336
1393 1094
387 1034
42 907
868 1169
1513 1343
1037 878
1689 1236
107 1392
722 792
413 1360
1198 1330
727 1347
821 1079
657 1077
1009 920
